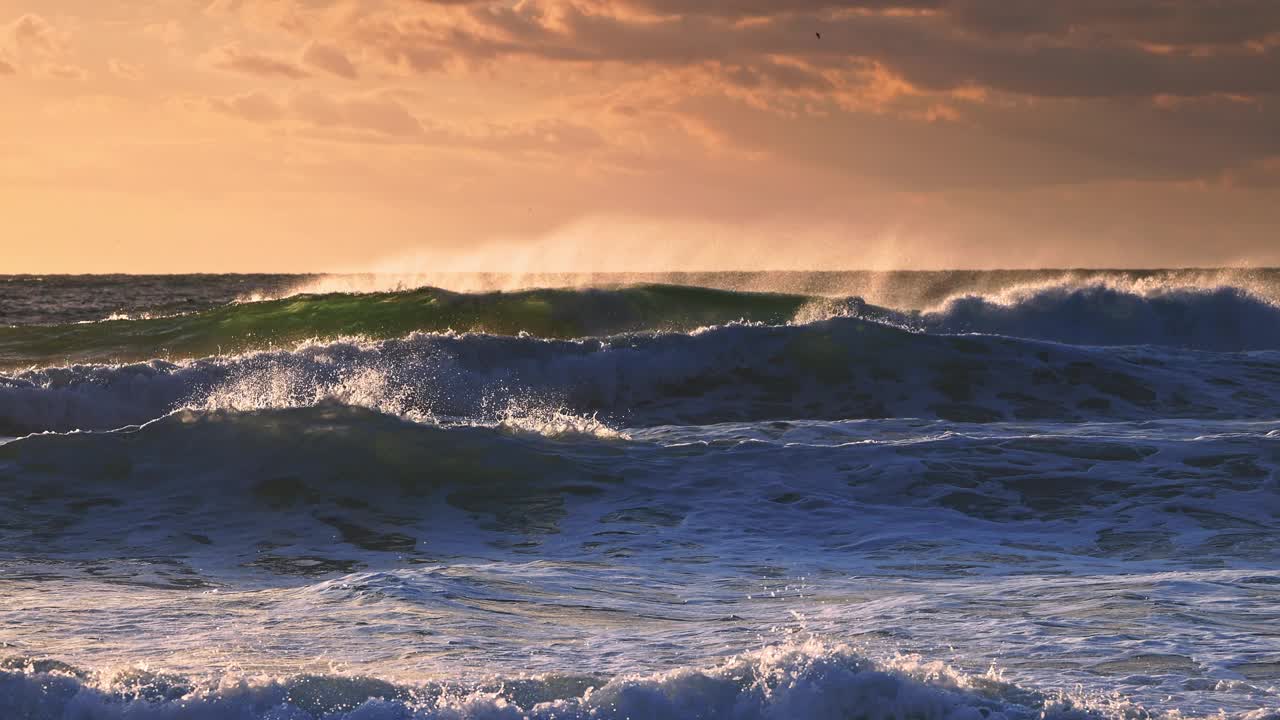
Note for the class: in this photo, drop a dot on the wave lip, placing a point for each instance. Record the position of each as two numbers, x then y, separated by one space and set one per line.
794 680
240 327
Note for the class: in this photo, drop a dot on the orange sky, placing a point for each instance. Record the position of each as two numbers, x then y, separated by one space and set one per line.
332 135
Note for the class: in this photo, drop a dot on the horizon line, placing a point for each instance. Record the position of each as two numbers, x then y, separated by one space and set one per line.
323 273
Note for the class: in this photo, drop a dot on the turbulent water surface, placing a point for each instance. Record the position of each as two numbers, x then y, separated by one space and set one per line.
1047 494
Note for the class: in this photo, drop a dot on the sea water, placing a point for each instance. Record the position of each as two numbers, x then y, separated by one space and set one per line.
914 495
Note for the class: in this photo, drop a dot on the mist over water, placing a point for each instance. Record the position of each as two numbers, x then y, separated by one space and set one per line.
29 300
972 494
898 289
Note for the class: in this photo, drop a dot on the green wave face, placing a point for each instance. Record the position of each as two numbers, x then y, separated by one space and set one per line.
243 327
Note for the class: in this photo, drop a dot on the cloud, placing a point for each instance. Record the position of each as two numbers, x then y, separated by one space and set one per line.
1262 173
1088 48
548 136
44 46
769 8
32 34
330 59
791 77
366 115
1189 22
381 116
1176 22
124 70
231 58
64 72
926 94
257 107
170 32
378 117
1076 48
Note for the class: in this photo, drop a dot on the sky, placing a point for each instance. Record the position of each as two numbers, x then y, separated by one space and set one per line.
412 135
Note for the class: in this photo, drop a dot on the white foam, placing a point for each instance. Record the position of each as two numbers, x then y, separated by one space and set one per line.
797 680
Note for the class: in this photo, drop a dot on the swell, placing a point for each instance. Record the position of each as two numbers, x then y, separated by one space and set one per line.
230 485
218 476
842 368
793 680
1219 319
244 326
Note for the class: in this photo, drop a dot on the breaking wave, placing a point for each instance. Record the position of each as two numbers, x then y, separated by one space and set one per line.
842 368
798 679
1220 319
1224 319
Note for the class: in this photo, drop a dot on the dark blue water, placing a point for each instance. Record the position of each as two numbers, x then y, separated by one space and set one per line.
965 495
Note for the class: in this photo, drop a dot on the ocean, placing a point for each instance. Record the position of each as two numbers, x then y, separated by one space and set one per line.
975 495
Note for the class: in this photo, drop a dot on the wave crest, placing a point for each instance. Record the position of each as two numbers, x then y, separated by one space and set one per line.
843 368
1219 319
808 680
241 327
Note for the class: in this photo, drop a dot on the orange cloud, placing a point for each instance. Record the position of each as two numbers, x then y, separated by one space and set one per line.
1041 49
64 72
124 70
33 34
169 32
380 116
255 107
1000 119
232 58
330 59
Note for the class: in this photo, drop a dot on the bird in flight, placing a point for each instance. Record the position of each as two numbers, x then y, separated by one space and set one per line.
819 35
